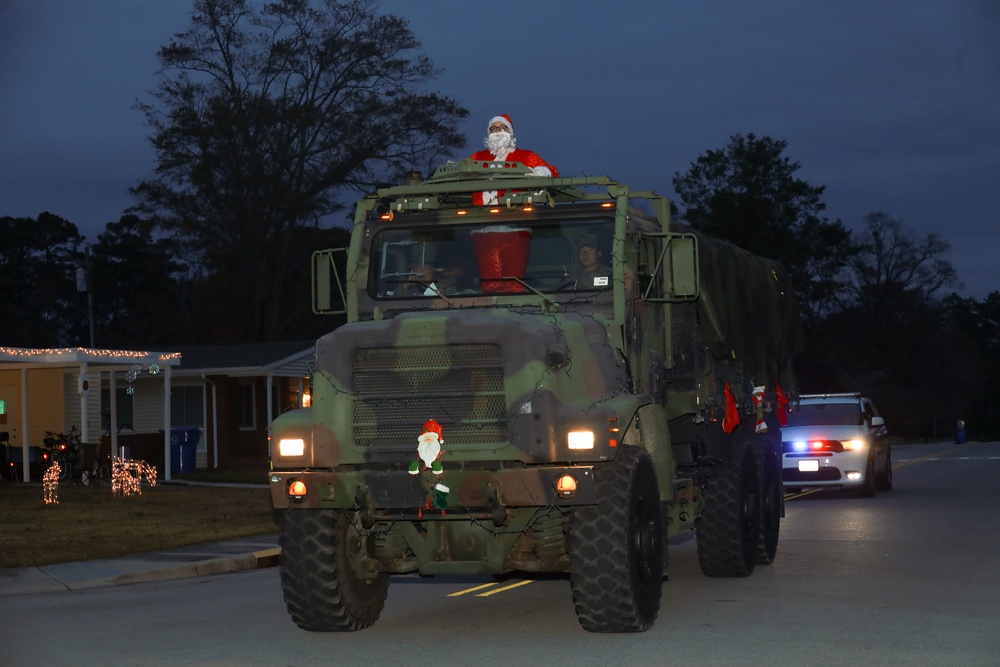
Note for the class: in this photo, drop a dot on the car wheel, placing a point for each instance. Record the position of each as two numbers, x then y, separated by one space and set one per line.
883 482
867 488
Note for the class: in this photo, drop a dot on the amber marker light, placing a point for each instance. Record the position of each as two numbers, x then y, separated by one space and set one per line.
494 211
566 486
607 204
296 490
461 211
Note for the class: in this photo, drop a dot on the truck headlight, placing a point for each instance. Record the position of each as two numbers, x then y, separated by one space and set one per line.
580 439
291 447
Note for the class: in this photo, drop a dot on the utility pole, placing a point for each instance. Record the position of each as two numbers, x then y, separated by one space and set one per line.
85 284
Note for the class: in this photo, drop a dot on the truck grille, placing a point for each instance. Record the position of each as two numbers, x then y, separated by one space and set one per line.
400 388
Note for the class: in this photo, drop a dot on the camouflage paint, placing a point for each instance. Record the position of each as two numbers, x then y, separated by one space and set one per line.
508 375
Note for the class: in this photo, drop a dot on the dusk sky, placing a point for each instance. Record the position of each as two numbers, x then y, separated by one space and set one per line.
894 106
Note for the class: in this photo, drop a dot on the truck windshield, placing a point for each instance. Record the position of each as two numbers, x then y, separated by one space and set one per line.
471 260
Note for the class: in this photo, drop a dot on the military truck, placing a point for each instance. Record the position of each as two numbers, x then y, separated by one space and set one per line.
483 411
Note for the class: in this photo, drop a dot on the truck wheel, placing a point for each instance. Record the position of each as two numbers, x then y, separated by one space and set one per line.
321 590
883 481
729 526
617 547
771 498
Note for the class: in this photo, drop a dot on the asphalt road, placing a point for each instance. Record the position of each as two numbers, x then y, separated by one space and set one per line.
910 577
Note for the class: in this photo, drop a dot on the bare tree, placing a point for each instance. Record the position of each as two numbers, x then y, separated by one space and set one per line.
895 269
263 114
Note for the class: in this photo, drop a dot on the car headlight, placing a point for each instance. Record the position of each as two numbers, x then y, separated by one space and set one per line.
854 445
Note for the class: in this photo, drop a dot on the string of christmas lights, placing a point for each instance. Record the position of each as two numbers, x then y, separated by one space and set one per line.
50 484
127 476
28 353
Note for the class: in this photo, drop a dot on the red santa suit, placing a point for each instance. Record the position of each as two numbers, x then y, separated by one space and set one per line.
524 156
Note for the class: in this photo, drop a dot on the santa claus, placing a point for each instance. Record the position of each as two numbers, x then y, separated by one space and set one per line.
501 145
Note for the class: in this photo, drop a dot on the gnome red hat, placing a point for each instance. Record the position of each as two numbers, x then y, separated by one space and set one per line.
431 426
502 118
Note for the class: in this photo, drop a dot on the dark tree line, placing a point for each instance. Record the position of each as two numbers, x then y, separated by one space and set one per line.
876 309
268 115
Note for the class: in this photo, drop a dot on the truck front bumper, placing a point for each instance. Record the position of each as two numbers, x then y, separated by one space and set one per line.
399 490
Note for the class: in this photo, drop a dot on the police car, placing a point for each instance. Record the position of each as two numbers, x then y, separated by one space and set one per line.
836 440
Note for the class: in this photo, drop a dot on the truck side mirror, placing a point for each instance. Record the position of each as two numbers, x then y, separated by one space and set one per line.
328 296
683 269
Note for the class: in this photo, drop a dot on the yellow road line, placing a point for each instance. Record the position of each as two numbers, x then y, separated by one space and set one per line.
934 454
471 590
505 588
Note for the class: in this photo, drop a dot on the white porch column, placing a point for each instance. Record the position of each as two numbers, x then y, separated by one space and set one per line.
25 435
113 427
84 416
166 422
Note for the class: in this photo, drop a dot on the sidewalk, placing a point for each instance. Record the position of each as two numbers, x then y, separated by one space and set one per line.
245 553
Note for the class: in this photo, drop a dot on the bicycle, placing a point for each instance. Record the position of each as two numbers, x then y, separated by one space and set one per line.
65 450
100 470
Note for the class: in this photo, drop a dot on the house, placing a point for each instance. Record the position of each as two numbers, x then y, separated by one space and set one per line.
232 393
224 395
54 389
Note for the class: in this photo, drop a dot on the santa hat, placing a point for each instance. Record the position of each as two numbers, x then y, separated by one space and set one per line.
502 118
431 426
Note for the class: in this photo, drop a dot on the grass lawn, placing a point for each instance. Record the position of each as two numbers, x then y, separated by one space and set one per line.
91 522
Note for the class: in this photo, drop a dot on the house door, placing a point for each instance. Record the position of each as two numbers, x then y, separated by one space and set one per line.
10 415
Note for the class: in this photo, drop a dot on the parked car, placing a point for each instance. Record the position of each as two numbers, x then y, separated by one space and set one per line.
836 440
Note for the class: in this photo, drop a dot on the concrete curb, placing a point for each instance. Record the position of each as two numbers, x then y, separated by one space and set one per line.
250 561
118 572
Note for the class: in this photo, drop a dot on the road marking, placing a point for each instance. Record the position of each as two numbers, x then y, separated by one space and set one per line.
932 456
471 590
505 588
950 458
493 592
935 456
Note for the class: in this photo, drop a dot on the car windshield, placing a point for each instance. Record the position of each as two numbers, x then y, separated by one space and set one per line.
470 260
826 414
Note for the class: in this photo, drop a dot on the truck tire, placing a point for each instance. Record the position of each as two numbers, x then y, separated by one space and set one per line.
617 547
883 481
728 529
321 590
771 499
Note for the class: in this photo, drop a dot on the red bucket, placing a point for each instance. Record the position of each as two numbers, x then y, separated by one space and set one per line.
502 252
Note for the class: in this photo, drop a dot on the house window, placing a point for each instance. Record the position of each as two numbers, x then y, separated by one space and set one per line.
123 409
187 405
247 407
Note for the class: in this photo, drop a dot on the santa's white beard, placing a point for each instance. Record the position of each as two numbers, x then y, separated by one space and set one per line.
500 144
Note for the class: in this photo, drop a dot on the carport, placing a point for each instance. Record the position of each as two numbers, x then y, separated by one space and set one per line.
18 403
